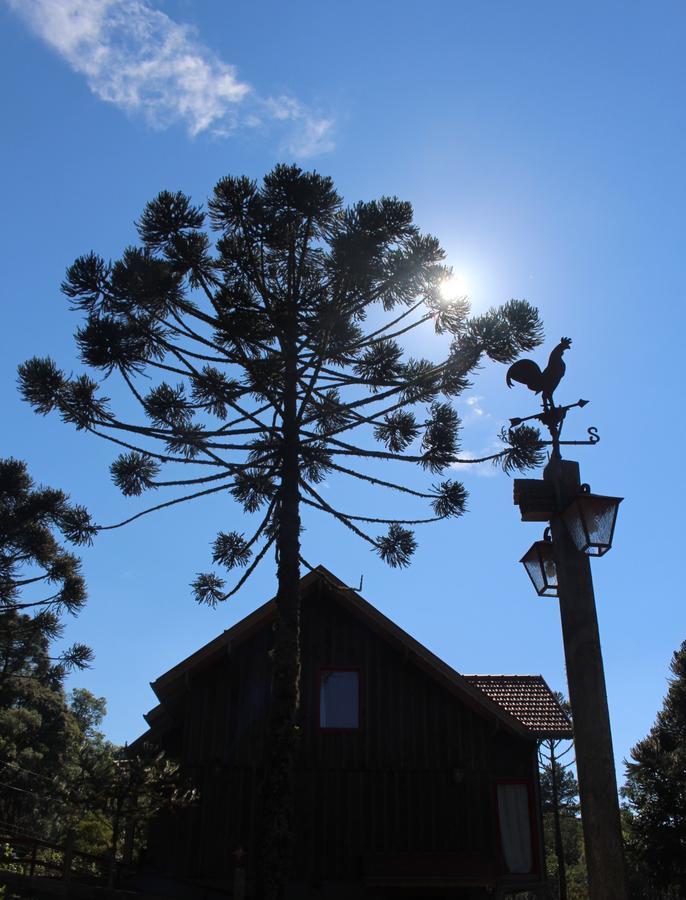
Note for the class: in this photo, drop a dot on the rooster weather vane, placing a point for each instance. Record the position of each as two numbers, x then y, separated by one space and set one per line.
545 383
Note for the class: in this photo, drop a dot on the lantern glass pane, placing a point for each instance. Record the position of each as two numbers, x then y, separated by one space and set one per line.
590 520
540 566
575 526
600 514
534 572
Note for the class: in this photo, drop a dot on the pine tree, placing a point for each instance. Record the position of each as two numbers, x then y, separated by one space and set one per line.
655 788
39 580
279 346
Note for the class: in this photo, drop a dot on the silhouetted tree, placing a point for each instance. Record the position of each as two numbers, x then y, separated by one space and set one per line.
39 579
655 788
281 349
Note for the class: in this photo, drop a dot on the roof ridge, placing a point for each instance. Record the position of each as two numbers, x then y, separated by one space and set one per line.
501 675
474 689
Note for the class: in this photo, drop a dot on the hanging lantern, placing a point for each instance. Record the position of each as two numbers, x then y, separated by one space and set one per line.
539 563
590 520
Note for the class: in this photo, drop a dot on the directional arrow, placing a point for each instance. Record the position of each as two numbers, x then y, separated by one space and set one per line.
541 416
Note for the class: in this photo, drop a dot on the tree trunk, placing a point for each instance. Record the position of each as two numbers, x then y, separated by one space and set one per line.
129 838
277 787
116 822
559 849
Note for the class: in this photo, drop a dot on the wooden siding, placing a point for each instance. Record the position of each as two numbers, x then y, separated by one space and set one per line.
416 780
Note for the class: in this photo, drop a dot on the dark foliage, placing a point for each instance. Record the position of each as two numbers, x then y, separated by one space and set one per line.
134 473
451 499
231 550
655 790
526 449
396 548
35 731
59 774
39 579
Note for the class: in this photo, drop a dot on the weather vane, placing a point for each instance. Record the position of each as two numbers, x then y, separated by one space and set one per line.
545 383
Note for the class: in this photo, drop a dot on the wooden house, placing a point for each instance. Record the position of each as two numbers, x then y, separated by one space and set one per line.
412 780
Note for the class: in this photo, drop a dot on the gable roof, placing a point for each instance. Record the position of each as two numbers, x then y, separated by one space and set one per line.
473 694
529 699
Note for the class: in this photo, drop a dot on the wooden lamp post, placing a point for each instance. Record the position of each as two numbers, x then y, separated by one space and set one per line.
581 524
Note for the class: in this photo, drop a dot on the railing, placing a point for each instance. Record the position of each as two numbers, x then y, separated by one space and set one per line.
31 856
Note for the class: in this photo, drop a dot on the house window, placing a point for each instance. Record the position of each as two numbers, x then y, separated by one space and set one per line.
514 818
339 699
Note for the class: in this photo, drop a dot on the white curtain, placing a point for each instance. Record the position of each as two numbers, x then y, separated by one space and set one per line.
515 827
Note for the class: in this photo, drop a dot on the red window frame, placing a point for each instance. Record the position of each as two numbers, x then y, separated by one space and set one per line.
328 728
533 828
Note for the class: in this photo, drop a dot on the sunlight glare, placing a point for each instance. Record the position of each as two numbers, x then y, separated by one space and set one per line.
454 288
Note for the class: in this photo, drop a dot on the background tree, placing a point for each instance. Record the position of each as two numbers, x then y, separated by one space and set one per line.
60 774
35 730
82 789
280 346
559 794
112 791
39 580
655 789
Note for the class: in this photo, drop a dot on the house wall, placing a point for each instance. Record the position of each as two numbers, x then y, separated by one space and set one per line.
416 781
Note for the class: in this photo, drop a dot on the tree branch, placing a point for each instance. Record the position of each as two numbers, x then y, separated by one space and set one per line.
325 507
145 512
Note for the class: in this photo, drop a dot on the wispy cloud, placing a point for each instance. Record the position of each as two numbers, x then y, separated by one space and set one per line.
475 414
148 65
309 135
475 409
482 469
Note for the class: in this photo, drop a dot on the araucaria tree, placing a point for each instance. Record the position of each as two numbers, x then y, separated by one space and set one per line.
275 362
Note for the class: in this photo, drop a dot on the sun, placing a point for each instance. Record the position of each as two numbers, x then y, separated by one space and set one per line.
454 288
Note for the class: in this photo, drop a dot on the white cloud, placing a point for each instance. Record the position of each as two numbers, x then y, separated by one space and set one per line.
482 469
310 135
145 63
475 409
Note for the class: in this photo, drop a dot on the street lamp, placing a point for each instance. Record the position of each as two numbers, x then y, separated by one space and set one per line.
539 562
590 520
580 525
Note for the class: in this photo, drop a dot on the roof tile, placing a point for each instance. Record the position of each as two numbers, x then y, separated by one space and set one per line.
529 699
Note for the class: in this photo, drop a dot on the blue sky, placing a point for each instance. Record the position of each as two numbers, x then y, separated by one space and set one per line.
543 144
